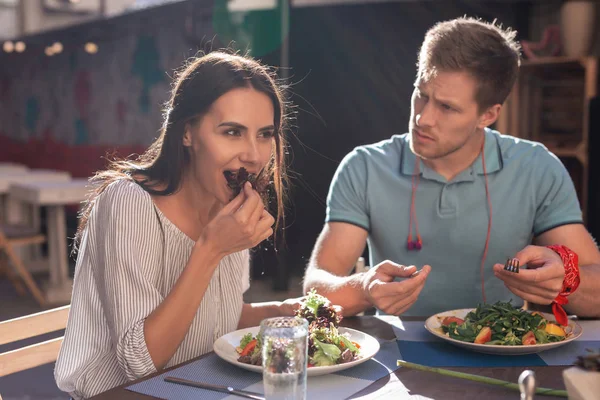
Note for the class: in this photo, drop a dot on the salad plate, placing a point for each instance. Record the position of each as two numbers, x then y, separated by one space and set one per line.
225 347
501 329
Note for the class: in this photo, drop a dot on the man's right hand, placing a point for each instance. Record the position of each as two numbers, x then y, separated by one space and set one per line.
390 296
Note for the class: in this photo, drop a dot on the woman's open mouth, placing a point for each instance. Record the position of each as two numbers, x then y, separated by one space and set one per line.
237 178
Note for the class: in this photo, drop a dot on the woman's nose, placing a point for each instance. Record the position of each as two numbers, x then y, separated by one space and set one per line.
250 153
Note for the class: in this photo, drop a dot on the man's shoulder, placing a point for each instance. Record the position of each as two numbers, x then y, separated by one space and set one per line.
515 148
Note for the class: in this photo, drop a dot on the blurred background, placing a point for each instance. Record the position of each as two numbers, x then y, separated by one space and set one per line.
80 79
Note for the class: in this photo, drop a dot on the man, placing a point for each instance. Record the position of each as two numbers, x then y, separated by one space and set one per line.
457 197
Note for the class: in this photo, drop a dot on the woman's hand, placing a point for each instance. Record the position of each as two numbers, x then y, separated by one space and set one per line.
242 224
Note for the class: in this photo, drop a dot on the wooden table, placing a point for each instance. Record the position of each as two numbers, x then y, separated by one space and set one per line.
418 383
54 195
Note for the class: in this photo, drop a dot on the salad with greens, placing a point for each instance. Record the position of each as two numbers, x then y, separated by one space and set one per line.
326 345
505 325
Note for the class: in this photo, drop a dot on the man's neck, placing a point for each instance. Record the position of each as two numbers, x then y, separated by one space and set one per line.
453 164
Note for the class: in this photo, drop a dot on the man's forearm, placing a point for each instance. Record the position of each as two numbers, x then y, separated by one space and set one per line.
585 302
345 291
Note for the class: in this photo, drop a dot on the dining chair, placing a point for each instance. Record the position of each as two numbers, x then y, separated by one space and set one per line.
11 237
26 327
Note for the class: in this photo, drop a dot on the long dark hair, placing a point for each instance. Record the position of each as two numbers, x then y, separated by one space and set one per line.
196 86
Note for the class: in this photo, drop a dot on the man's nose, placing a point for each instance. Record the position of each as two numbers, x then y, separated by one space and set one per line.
426 116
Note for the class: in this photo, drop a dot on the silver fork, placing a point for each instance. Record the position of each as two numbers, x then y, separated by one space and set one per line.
512 265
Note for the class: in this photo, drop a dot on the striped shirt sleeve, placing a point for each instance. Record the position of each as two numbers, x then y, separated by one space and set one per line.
124 265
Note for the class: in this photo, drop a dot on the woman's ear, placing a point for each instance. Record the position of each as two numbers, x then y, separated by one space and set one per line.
187 135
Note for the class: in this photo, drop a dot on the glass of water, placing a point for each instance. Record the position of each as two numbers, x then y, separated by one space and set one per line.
285 356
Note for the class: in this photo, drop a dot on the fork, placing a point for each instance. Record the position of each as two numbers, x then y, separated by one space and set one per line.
512 265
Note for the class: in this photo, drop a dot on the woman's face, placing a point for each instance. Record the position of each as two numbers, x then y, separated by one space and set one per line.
237 131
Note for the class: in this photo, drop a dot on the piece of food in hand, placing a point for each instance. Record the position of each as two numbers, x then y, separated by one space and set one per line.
318 311
237 179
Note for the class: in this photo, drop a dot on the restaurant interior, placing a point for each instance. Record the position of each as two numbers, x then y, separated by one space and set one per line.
83 82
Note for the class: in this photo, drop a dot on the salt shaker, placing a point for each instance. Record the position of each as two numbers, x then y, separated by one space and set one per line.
527 384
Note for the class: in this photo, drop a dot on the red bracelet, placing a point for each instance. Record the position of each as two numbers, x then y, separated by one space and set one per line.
570 282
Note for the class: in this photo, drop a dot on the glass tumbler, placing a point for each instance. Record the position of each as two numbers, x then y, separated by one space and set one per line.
284 356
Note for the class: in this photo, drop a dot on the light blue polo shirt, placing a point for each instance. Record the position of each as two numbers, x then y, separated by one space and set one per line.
530 190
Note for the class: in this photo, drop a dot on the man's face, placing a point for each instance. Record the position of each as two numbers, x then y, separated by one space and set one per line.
444 114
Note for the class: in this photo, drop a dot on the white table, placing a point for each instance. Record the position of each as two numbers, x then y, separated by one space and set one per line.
54 195
8 167
13 210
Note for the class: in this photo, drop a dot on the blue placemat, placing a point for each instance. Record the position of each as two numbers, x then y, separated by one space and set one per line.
440 354
416 345
212 369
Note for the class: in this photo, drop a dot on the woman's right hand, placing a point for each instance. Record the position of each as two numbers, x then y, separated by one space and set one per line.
242 224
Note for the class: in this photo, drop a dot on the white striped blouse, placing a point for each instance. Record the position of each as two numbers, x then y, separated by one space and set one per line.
130 257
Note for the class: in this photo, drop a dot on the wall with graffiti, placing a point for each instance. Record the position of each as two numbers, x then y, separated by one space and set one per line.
68 110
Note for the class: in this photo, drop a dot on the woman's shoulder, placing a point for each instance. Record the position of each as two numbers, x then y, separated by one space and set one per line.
124 190
123 196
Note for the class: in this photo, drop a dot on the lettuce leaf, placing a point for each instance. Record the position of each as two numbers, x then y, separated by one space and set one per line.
347 343
247 338
320 359
328 350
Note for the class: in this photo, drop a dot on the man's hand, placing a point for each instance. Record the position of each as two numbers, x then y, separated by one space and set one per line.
389 296
541 281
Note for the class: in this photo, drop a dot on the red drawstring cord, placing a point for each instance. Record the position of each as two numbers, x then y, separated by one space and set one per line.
414 184
489 229
417 245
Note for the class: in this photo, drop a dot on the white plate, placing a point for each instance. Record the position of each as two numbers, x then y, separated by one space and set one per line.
433 325
225 346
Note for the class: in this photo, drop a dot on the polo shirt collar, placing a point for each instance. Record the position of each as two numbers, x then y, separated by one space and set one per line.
493 159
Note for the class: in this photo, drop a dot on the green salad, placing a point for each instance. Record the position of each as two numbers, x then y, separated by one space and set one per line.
503 324
326 345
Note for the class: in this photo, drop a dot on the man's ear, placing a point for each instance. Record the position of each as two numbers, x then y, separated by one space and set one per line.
187 135
489 116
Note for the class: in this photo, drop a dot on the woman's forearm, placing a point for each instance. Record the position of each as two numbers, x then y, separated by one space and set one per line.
253 313
166 327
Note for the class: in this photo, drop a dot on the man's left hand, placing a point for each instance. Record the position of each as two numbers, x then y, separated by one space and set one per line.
541 281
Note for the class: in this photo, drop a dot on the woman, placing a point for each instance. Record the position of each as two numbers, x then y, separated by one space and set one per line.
163 257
